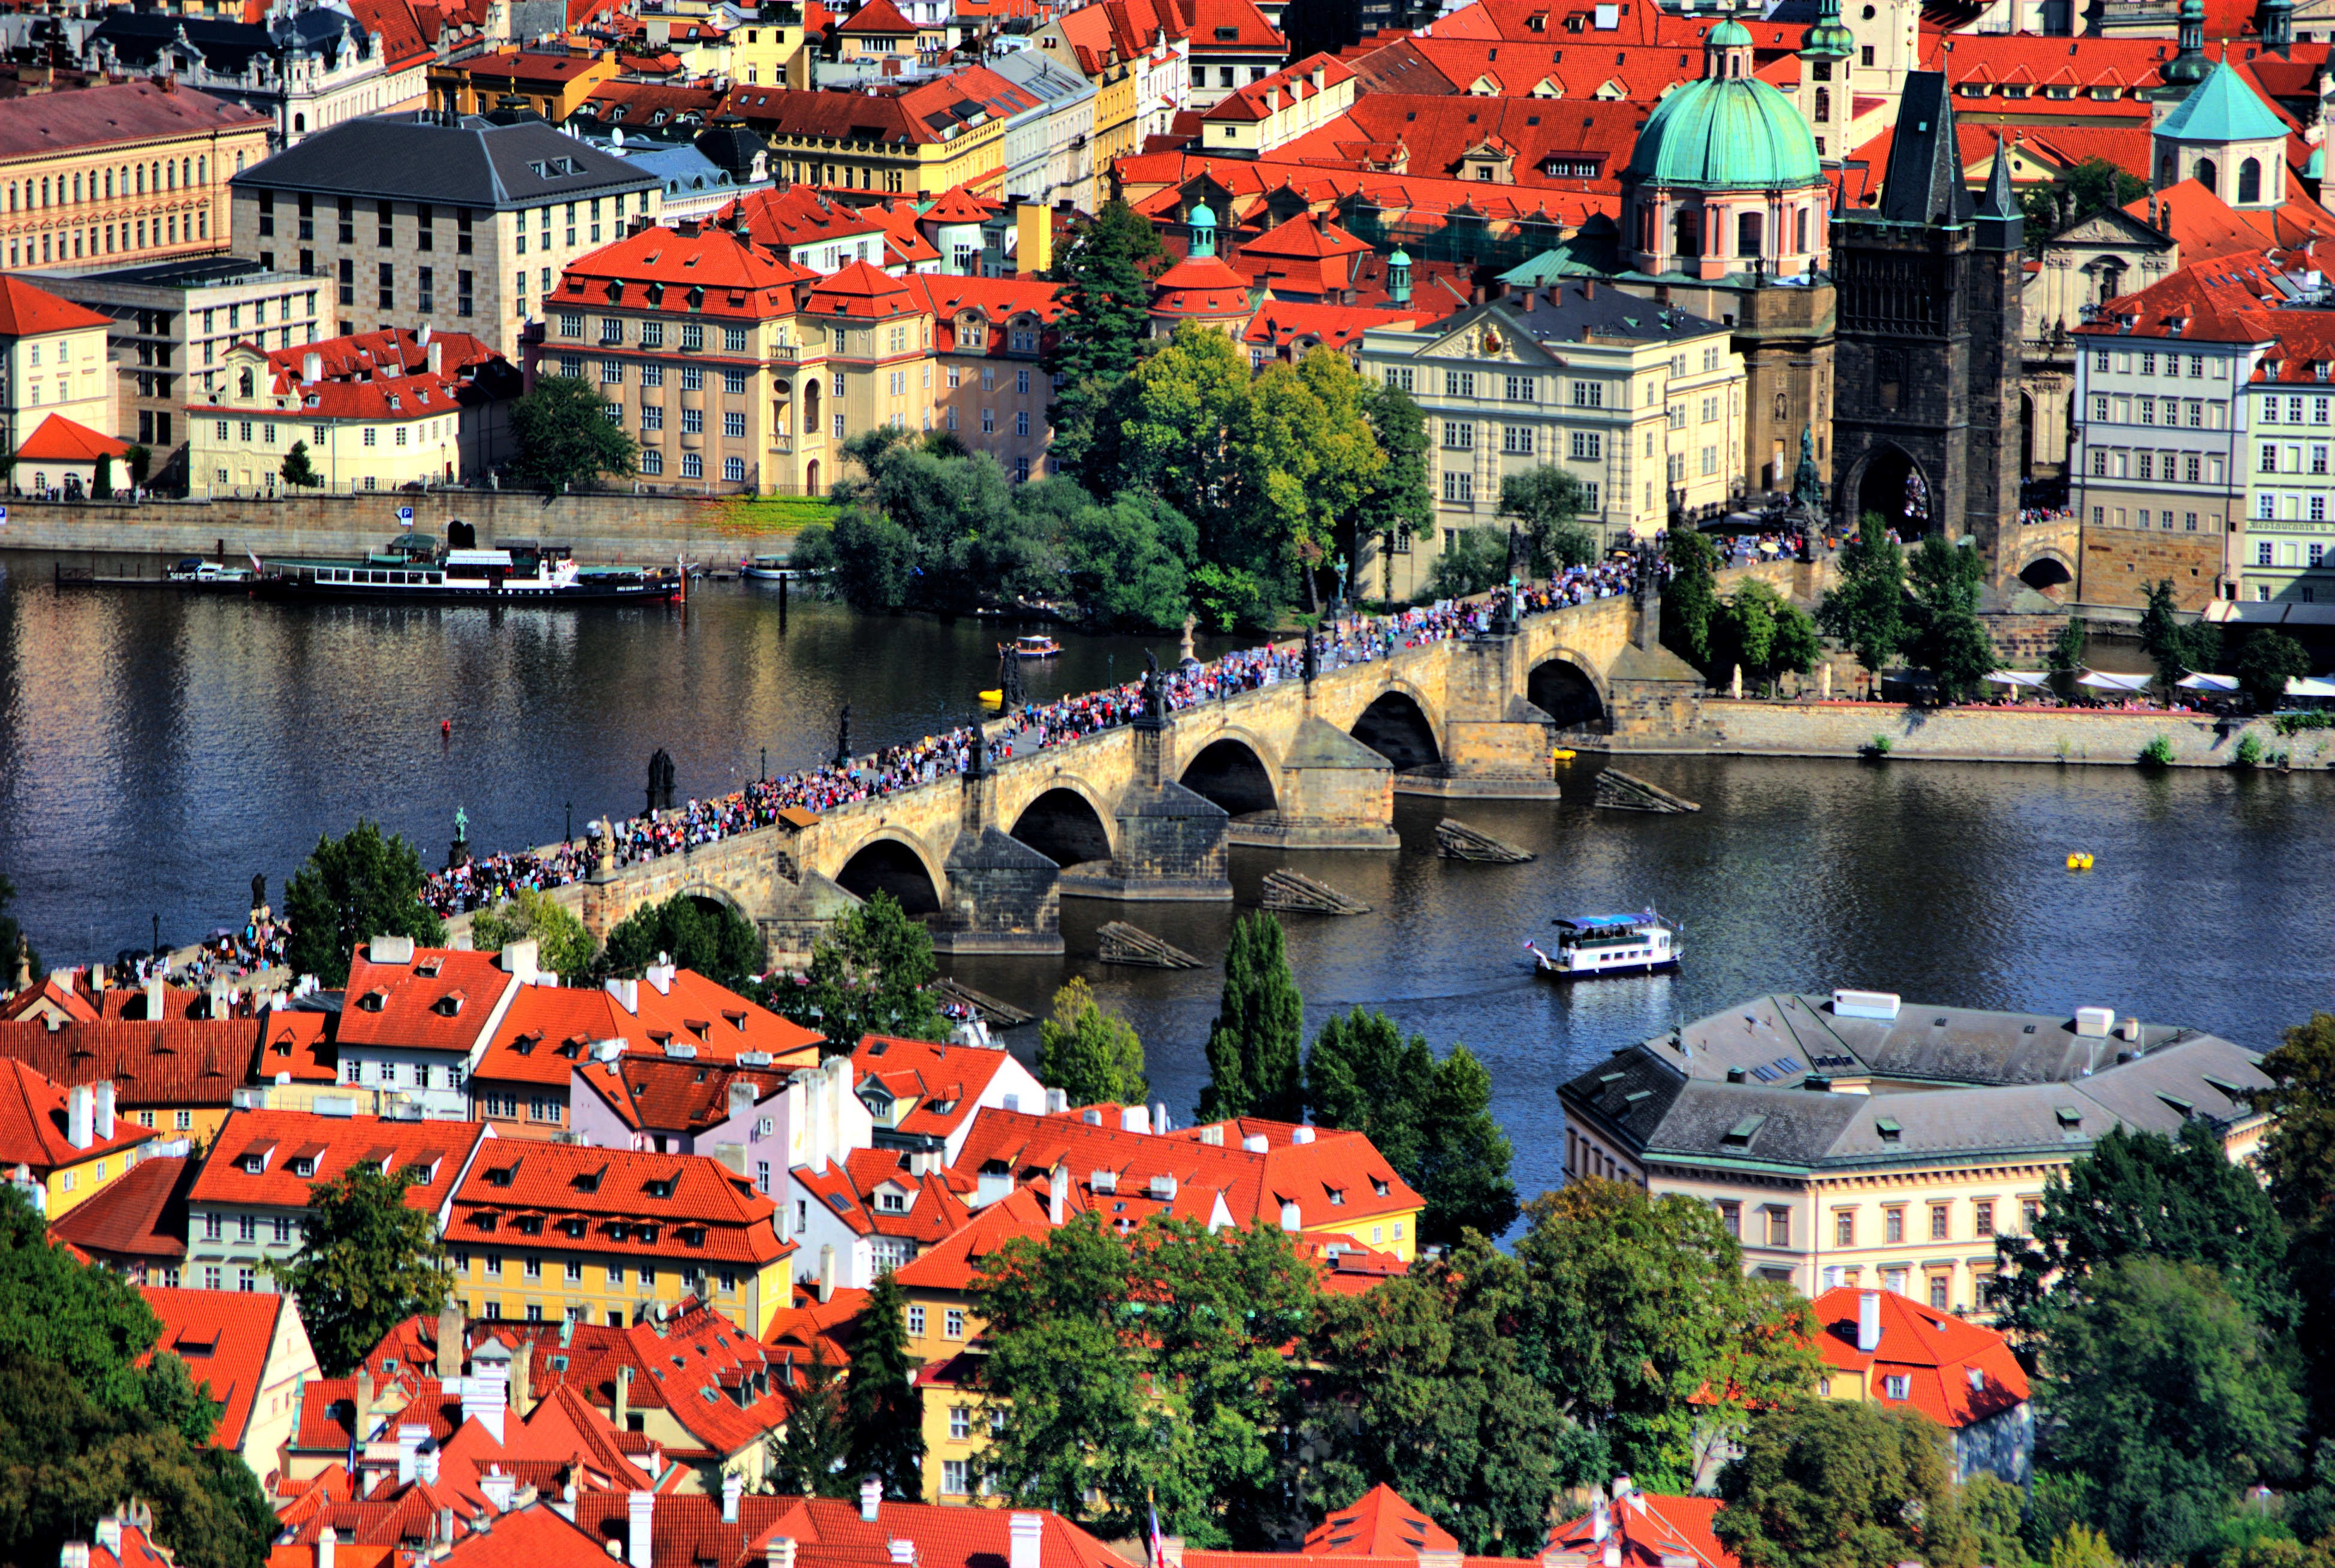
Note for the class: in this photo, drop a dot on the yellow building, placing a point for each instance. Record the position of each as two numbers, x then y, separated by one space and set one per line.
53 366
541 1231
918 141
1860 1140
769 52
552 84
59 1145
376 412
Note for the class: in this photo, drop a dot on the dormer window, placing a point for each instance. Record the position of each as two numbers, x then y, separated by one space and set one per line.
303 1166
891 1201
448 1005
372 1001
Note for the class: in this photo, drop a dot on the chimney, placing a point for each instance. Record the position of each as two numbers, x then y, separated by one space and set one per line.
1159 1116
1057 1193
827 1272
364 1401
1589 289
1028 1529
1301 1134
779 1551
311 367
107 1535
903 1554
101 1109
518 958
80 1108
1058 1100
871 1495
627 993
1134 1118
1868 1320
732 1484
639 1512
660 976
1293 1218
426 1463
325 1545
153 997
624 1399
411 1436
522 1380
449 1341
485 1401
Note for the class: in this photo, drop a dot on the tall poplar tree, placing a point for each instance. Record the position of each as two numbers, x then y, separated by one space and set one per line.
883 1410
1254 1047
1106 273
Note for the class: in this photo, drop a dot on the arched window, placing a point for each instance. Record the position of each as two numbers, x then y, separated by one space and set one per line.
1800 231
2205 173
1823 104
1751 233
2249 180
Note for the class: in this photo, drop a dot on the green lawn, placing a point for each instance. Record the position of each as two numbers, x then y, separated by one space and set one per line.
777 514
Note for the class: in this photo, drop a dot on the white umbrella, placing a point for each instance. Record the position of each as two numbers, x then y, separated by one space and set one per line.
2103 681
2195 683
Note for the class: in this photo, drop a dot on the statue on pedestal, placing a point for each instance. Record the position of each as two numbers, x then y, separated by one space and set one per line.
977 766
1185 656
843 738
661 779
1154 715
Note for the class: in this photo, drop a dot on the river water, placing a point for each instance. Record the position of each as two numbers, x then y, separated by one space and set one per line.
156 751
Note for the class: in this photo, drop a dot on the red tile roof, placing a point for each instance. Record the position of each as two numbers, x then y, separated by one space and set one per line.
929 111
859 291
140 1214
60 440
99 117
1571 22
852 1191
224 1337
1956 1372
182 1062
24 309
944 1082
442 999
659 1202
669 1094
278 1141
879 19
535 1536
716 271
1251 32
33 1125
688 1532
548 1031
1380 1523
292 1044
951 1264
955 205
797 216
1298 326
1651 1530
1292 84
995 302
402 44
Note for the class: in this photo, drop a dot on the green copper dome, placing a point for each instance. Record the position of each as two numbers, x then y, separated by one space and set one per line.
1726 133
1728 34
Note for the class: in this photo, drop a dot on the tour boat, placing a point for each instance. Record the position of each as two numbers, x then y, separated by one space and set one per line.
412 570
1040 646
194 572
1590 945
767 569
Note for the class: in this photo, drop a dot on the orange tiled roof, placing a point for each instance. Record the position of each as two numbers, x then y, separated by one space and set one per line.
223 1336
1956 1372
688 1532
995 301
716 271
139 1214
441 999
859 291
182 1062
60 440
26 310
281 1144
1652 1530
663 1204
33 1125
678 1095
1380 1523
1201 285
952 1264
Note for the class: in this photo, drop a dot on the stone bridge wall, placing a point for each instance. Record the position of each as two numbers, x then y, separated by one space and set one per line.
2014 734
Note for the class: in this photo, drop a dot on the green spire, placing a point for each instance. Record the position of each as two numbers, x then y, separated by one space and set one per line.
2188 65
1828 40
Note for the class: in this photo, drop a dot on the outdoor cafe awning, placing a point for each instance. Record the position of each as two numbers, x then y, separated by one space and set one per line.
2103 681
2309 686
2195 683
2018 678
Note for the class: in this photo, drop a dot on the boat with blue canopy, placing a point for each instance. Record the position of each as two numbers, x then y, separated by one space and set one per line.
1589 946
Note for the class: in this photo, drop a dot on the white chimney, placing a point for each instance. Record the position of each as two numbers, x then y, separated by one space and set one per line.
627 993
519 958
390 950
1058 1100
779 1551
1058 1195
1301 1134
437 354
311 368
827 1272
499 1488
1163 1187
1029 1530
903 1554
325 1545
992 1186
426 1465
1159 1116
1104 1181
80 1108
410 1435
2094 1023
1293 1218
660 976
1256 1143
153 997
2129 1029
101 1109
871 1495
1868 1320
1134 1118
640 1513
733 1484
485 1401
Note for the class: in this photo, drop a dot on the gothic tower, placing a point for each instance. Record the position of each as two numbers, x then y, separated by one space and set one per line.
1925 426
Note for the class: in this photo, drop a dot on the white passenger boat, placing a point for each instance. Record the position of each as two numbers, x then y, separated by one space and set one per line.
1590 945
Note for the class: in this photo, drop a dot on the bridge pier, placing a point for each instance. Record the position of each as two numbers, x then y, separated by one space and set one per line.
1333 793
1171 840
1003 897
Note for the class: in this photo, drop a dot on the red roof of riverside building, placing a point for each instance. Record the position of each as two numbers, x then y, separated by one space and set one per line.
270 1158
661 1194
1292 84
224 1337
437 999
952 1264
60 441
36 1123
535 1537
798 218
1955 1372
679 1095
548 1030
860 292
1651 1530
140 1214
942 1085
181 1062
708 268
1380 1523
956 302
689 1532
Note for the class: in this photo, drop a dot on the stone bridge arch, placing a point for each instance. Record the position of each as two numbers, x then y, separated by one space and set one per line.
894 861
1235 769
1569 687
2049 573
1066 821
1401 725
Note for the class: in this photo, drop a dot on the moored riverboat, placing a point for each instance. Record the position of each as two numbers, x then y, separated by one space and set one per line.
412 570
1589 946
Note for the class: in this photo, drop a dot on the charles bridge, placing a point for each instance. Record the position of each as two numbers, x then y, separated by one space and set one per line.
1146 811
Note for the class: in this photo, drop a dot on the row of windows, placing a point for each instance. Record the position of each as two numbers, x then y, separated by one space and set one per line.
2148 363
571 1270
1776 1221
652 333
692 421
2293 460
989 421
386 1073
281 1228
2183 468
2149 518
284 311
2294 409
692 377
425 236
692 465
423 433
539 1108
2143 410
2314 509
129 179
2312 554
951 1322
73 245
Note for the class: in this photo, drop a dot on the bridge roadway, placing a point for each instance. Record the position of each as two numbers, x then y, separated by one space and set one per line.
1146 811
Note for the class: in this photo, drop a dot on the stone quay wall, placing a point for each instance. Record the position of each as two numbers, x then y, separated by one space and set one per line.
601 528
2014 734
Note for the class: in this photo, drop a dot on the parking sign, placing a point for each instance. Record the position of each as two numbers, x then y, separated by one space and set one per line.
404 517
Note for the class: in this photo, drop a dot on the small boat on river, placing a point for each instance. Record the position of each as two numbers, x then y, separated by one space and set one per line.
1589 946
1037 646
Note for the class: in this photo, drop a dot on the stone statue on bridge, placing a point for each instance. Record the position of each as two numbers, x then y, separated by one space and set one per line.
843 738
661 781
1154 715
1808 485
977 765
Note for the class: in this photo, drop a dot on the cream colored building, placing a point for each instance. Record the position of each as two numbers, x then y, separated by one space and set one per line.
1636 400
53 353
1863 1140
452 221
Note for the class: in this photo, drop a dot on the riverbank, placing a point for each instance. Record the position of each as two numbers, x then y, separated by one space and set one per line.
601 528
2035 734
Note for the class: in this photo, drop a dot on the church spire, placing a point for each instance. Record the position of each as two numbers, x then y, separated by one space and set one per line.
2001 224
2188 65
1827 38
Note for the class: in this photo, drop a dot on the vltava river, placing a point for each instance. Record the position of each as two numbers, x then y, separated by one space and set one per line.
156 751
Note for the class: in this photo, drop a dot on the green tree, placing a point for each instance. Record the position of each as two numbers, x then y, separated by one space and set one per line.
2175 647
1476 562
1548 502
100 480
368 1260
349 891
1255 1044
2095 184
807 1460
2297 1160
1765 634
1690 598
1125 563
1398 507
1948 638
2266 662
138 460
1146 1367
1844 1484
2163 1390
711 939
867 975
2144 1195
2081 1546
11 934
1421 1384
1995 1512
1647 1314
562 944
883 1412
1092 1056
297 471
1866 610
565 438
1314 457
2067 648
1432 1120
1105 327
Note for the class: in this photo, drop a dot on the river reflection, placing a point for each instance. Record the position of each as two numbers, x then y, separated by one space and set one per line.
156 751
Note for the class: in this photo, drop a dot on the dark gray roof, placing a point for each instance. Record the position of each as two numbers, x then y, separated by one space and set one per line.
1562 312
1933 1083
467 163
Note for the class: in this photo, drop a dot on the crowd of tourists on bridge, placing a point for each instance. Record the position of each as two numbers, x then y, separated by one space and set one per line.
485 881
